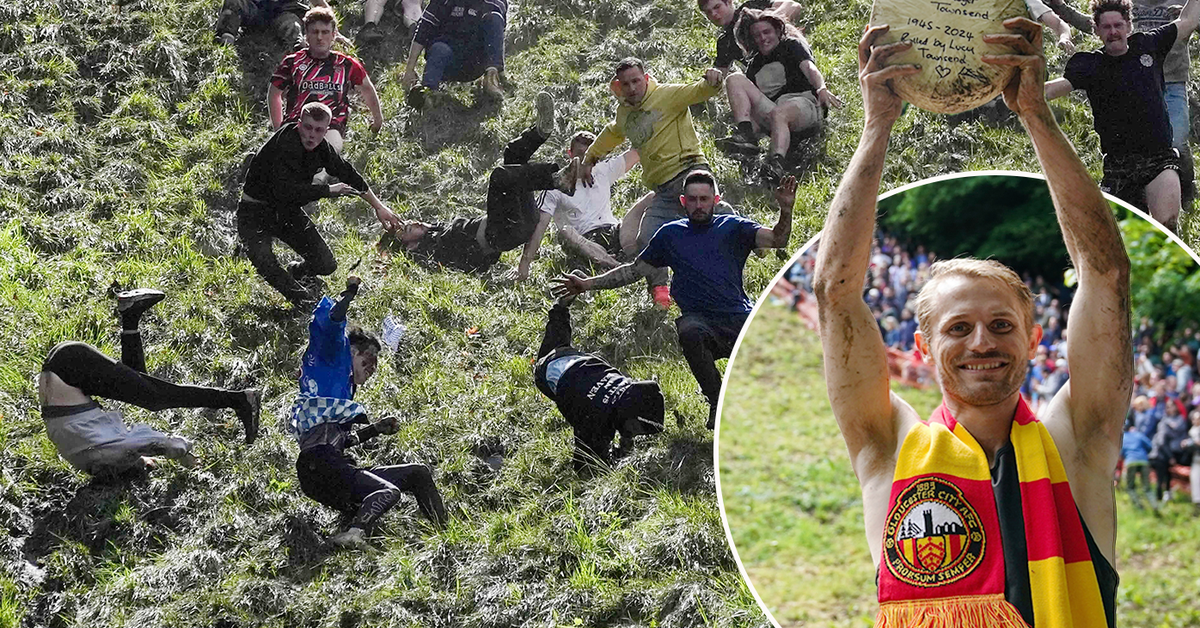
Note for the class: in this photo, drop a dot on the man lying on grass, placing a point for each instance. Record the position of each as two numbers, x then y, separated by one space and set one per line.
337 361
595 398
97 441
983 515
512 218
278 184
707 254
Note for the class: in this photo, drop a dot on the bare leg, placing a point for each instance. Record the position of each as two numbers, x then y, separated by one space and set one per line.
632 223
788 118
412 12
738 89
1163 198
373 11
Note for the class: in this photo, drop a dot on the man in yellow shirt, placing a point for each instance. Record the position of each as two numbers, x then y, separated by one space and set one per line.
656 121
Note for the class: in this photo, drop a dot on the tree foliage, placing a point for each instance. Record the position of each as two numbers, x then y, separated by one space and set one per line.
1164 279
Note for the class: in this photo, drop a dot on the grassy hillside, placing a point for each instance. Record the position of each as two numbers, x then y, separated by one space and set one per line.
795 509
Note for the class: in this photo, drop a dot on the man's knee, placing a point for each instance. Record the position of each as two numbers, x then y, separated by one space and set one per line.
692 332
323 264
439 49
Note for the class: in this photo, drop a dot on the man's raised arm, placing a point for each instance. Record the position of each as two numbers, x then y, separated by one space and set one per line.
855 360
1098 345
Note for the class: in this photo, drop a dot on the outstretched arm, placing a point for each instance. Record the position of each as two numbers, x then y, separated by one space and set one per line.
1057 88
855 359
531 247
386 425
778 236
338 312
622 275
1099 346
1188 19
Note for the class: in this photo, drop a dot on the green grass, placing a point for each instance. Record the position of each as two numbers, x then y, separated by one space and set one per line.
794 507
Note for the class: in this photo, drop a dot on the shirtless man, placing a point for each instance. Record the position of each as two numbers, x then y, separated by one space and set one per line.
968 478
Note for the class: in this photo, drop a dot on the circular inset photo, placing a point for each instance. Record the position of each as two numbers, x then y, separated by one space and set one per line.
975 409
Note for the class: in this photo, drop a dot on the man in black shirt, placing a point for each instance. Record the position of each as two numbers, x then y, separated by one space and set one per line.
279 183
475 244
782 91
1124 83
595 398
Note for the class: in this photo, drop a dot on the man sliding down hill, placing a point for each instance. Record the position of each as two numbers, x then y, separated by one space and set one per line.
98 442
337 361
707 253
474 245
278 184
595 398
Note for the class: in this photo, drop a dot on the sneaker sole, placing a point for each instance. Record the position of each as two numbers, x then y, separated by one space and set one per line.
730 146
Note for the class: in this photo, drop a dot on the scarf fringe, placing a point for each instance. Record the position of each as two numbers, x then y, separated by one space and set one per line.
973 611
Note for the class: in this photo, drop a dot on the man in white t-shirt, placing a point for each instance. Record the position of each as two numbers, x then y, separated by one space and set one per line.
586 224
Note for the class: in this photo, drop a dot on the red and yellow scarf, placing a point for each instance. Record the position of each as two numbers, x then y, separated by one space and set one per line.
943 559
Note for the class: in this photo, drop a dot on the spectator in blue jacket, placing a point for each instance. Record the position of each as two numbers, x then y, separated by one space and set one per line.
1135 451
462 41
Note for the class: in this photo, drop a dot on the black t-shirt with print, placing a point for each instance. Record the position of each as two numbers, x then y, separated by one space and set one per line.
779 72
727 47
1126 93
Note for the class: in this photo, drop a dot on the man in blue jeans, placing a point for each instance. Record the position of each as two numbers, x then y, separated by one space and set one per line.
462 41
707 253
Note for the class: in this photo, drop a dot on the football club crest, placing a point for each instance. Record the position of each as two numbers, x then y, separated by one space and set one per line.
933 536
1147 60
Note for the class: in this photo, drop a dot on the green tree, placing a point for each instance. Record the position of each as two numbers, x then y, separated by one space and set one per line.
1164 279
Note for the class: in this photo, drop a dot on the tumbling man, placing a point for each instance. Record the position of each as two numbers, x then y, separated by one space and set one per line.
97 441
336 362
585 219
462 41
321 74
278 184
281 16
474 245
595 398
983 515
656 120
707 252
782 91
1124 83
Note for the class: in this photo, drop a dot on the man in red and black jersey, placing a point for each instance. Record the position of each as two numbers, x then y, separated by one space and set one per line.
320 74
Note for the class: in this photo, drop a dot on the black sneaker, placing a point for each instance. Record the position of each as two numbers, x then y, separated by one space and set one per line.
772 169
135 302
544 103
417 97
248 413
739 143
369 33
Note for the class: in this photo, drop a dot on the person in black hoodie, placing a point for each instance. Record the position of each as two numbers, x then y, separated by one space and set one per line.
595 398
278 184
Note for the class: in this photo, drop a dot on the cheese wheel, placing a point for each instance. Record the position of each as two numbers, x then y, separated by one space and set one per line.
947 37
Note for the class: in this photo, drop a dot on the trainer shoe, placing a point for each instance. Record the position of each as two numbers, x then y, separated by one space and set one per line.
772 169
227 39
661 296
369 33
135 302
491 83
350 539
248 412
565 179
544 104
417 97
738 142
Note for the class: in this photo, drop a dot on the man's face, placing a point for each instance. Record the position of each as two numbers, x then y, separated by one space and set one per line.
364 361
320 38
631 82
698 201
411 233
312 133
765 36
719 12
1113 29
979 342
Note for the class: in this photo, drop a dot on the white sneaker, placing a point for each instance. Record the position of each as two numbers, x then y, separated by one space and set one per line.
351 538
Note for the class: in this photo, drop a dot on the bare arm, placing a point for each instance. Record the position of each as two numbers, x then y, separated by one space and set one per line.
825 98
1188 20
275 106
531 247
410 68
789 8
371 99
1062 32
622 275
1057 88
383 213
631 157
777 237
855 359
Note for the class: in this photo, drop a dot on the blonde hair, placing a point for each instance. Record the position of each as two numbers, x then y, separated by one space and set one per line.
976 268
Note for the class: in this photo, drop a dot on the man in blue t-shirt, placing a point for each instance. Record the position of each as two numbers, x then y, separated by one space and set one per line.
706 254
337 361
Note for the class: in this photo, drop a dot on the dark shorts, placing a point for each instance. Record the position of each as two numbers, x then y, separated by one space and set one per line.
1127 176
608 236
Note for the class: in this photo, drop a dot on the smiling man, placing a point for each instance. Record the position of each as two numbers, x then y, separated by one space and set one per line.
1125 86
707 252
983 515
